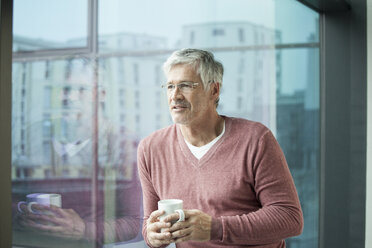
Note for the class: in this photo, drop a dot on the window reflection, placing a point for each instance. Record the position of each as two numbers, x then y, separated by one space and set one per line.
55 154
57 101
60 24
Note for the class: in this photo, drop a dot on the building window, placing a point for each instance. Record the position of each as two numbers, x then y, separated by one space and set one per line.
136 74
47 97
137 99
47 69
47 127
218 32
241 35
47 151
66 96
68 69
192 37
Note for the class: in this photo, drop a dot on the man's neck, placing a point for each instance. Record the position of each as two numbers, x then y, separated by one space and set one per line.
199 134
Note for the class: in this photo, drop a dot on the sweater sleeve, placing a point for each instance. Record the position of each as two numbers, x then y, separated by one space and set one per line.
280 216
150 197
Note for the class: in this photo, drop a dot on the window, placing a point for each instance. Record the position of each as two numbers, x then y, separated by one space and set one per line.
241 35
192 37
218 32
47 97
135 74
59 31
78 118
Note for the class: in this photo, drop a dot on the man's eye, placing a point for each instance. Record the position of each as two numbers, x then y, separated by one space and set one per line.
185 86
170 86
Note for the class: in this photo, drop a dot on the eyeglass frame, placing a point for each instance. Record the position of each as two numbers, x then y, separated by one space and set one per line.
192 84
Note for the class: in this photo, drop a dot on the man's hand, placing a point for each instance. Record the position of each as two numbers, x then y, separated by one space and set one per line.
53 221
196 227
155 236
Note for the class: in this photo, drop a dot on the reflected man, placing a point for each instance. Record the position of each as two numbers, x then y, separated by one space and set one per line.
120 221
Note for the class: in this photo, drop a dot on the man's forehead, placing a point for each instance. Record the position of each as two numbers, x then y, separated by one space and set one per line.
177 72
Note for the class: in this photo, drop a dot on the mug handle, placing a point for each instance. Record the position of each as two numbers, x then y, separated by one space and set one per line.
29 207
181 214
19 206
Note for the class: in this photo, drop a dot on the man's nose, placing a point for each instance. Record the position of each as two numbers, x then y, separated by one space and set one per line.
176 93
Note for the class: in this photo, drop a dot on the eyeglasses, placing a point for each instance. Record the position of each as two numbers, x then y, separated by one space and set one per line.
184 87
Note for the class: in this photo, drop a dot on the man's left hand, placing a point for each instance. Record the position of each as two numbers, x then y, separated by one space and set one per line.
196 227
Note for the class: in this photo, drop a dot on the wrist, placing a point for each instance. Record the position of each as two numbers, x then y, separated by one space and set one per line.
216 229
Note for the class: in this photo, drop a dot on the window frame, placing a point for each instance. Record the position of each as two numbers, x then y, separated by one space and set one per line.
71 51
6 16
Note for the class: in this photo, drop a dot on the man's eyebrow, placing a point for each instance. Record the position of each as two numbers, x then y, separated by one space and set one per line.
182 81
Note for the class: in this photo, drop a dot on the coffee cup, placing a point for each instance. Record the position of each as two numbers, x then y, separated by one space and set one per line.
171 206
42 199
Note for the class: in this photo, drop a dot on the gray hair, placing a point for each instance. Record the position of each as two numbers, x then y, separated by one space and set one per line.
210 70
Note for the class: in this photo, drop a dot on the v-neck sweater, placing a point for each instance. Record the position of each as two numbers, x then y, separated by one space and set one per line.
243 182
199 152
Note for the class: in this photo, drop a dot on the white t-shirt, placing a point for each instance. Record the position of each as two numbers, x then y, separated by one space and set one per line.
199 152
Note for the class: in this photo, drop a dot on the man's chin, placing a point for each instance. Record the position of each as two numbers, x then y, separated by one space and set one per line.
179 120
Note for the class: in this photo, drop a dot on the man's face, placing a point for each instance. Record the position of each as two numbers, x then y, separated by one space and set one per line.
188 107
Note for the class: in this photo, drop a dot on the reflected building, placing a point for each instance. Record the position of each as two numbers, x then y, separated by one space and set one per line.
298 122
250 63
53 111
55 138
53 101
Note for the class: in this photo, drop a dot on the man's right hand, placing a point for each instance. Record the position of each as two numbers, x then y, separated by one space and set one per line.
155 236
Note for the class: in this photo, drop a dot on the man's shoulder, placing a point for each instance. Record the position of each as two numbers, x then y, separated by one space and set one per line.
243 125
160 136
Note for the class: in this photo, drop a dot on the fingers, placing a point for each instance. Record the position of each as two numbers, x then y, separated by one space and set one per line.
155 215
172 217
157 226
157 243
175 216
181 233
180 225
160 238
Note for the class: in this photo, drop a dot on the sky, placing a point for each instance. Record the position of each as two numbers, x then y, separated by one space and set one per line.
62 20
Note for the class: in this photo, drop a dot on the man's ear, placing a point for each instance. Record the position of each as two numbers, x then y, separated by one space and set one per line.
215 90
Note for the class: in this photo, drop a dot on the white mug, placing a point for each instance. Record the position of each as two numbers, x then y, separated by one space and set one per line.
42 199
171 206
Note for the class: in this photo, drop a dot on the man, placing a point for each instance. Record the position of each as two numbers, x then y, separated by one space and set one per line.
230 173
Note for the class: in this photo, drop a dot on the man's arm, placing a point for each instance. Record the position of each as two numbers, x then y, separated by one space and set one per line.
280 216
150 201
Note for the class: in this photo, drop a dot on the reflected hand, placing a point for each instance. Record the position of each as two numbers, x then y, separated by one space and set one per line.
197 226
53 221
154 235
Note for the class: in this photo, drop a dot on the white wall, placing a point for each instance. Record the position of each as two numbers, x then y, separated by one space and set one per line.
369 128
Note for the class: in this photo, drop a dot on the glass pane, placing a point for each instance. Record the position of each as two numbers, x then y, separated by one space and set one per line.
278 87
295 23
211 24
77 122
297 123
45 25
54 139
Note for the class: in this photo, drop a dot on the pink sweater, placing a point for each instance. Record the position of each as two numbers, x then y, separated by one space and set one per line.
243 182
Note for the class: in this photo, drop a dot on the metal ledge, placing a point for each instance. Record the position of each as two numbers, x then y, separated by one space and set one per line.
326 6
